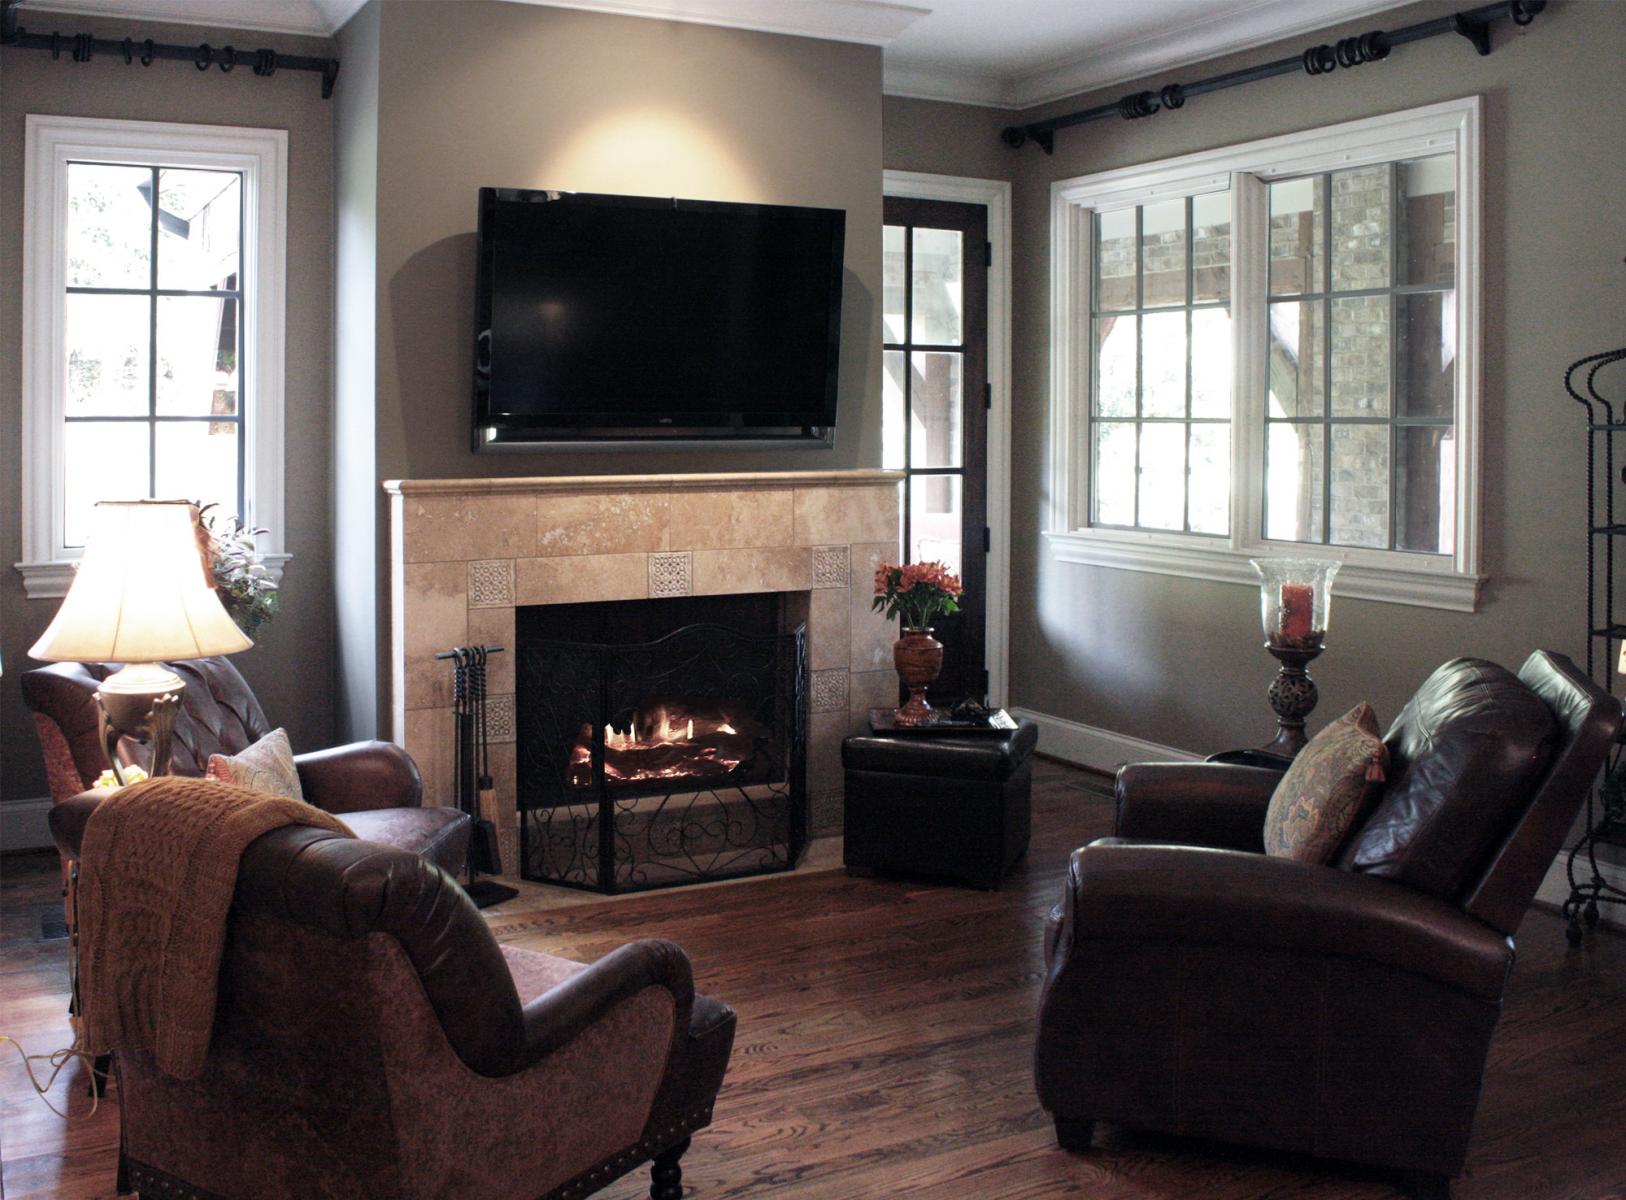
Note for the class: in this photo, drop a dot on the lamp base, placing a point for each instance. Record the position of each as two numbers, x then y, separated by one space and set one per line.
139 701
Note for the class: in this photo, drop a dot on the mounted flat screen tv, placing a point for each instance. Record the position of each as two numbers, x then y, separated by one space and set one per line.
616 318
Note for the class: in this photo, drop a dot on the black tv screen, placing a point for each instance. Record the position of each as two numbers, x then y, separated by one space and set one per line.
620 316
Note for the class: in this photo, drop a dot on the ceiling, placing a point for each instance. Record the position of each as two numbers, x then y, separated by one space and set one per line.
1007 53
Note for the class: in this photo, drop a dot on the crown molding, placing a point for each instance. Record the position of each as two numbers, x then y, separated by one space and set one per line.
262 19
869 22
1258 24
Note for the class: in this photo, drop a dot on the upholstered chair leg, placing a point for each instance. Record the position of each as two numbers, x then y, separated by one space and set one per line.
1074 1136
1421 1185
666 1176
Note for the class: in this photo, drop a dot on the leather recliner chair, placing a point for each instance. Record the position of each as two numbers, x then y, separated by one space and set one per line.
373 1039
1198 987
374 786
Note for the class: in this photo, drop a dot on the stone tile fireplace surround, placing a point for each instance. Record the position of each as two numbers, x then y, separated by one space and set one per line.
465 552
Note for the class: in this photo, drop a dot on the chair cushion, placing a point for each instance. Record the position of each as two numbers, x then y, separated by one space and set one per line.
1465 754
266 766
440 835
1327 789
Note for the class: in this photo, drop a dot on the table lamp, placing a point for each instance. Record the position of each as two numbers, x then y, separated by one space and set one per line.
142 595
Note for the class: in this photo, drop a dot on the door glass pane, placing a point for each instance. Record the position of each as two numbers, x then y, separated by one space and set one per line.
1163 364
1115 260
109 226
1211 478
197 460
1426 490
936 410
893 365
1293 493
1163 476
1427 355
1297 380
1115 366
1360 356
1211 247
1360 485
938 287
1297 234
1426 190
935 520
1163 253
1211 352
199 222
1114 473
197 356
105 339
102 460
1360 228
893 268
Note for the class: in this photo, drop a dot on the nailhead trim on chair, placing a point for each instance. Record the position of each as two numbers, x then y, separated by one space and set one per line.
634 1156
155 1185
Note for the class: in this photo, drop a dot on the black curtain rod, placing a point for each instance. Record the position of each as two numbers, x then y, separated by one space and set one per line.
1473 24
82 47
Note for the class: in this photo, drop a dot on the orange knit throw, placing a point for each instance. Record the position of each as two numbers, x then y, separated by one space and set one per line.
158 866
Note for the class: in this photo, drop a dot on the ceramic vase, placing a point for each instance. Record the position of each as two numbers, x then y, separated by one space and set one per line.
918 657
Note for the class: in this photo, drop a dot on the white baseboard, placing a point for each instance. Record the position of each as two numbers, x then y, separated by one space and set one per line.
24 825
1099 749
1555 888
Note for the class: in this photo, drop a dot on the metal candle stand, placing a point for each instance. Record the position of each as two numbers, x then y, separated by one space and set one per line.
1293 696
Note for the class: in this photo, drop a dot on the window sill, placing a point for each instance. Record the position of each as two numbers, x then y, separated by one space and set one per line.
1422 586
50 580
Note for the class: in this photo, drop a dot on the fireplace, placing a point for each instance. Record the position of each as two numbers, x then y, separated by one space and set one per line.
661 742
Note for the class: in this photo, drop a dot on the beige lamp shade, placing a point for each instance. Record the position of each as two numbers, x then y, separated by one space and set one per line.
1621 666
140 594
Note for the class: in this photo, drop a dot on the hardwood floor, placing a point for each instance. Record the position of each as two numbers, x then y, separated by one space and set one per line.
885 1044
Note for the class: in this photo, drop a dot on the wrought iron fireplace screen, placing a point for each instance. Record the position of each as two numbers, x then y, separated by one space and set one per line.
670 761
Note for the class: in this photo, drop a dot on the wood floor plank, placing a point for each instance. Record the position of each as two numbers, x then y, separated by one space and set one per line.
886 1040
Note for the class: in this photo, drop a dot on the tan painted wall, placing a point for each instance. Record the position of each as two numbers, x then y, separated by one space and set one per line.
291 668
1177 661
490 94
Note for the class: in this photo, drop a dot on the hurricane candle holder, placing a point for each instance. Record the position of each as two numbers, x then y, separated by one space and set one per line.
1295 599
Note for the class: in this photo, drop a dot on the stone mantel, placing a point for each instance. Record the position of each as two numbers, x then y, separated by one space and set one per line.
465 553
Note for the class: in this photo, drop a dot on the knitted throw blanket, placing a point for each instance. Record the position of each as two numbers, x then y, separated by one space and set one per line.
158 866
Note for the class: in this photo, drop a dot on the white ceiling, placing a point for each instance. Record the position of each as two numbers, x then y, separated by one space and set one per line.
1008 53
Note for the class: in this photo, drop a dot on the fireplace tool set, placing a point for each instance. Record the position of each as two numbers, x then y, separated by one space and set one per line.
471 751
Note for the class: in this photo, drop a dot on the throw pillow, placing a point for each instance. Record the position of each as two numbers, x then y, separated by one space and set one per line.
1327 789
266 766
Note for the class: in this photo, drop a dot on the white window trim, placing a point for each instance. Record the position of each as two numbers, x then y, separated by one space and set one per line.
1432 581
262 155
995 196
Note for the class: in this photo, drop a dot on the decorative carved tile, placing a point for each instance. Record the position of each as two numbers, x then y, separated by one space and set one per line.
491 583
670 573
500 718
830 569
829 691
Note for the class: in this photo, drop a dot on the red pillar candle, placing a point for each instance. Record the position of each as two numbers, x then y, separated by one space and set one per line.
1298 611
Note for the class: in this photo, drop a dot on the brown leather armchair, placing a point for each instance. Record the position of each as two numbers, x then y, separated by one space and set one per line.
373 1039
1197 987
374 786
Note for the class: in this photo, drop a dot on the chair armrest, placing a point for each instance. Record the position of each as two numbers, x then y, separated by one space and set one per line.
360 776
1195 804
564 1012
1181 894
67 821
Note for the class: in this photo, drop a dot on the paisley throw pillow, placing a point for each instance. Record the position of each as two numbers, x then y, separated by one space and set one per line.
266 766
1328 789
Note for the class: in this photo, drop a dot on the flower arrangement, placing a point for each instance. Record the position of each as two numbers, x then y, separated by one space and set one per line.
240 579
916 593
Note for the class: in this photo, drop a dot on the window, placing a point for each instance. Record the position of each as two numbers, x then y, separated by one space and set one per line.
1269 348
153 339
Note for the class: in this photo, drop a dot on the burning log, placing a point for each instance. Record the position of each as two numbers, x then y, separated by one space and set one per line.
669 742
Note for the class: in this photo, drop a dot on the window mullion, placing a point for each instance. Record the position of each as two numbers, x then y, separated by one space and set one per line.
1250 285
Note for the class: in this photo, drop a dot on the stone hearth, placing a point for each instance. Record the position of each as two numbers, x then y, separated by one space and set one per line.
465 552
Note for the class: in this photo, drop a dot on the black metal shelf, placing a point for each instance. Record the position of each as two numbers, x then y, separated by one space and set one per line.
1605 422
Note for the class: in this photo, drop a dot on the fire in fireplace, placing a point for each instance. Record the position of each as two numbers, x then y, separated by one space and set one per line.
670 741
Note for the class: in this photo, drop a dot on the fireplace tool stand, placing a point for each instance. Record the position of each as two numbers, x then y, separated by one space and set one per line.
476 792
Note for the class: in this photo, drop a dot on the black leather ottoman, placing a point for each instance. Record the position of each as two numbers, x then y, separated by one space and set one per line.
957 806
